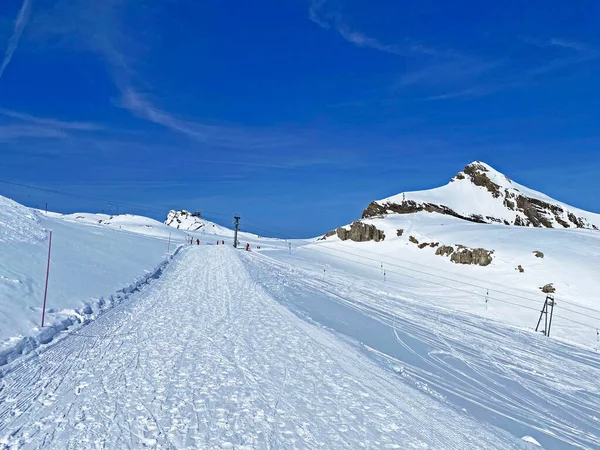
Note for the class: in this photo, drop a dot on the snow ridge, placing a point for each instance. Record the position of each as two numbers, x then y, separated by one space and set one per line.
479 193
19 223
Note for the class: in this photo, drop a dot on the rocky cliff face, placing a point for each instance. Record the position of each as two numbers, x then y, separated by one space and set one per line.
481 194
358 232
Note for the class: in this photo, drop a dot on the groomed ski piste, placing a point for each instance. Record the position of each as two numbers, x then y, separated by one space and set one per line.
276 348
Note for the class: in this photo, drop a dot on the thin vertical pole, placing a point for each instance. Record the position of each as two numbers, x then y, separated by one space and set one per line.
47 276
46 208
551 312
235 234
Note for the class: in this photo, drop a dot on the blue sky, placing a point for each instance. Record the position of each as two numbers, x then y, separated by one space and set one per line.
293 113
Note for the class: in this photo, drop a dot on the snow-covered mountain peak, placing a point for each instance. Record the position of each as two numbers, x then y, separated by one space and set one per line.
188 221
479 193
481 170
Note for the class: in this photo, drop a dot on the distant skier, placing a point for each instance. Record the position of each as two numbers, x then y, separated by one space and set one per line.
223 242
197 241
247 247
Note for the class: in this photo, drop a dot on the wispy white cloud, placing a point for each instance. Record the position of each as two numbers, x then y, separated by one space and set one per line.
224 136
334 19
18 126
13 43
50 123
578 47
15 132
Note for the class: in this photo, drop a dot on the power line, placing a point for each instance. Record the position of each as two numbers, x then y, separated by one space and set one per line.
446 278
361 256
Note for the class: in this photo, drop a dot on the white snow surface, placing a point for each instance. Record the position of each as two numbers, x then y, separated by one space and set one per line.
89 263
571 262
206 358
18 223
467 199
328 344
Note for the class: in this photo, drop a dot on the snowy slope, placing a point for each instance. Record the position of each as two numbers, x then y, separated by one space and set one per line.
240 371
482 194
89 261
125 222
352 368
570 262
18 223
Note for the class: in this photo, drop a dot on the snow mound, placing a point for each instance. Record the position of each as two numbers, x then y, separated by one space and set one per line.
479 193
19 223
185 220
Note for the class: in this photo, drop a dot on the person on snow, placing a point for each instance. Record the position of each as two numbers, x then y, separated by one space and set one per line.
197 241
247 247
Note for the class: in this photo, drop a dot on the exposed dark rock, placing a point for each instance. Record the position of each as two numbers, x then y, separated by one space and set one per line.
548 289
578 221
538 254
328 234
445 250
506 222
520 268
479 178
360 232
423 245
478 256
413 240
434 244
409 207
399 232
563 222
460 176
509 204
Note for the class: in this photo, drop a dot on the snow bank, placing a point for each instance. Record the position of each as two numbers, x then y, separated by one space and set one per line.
70 319
18 223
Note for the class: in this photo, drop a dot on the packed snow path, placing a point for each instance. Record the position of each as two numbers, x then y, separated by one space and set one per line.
205 358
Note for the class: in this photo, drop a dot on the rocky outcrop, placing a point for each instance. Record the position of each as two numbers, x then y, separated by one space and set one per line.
538 254
548 289
476 256
328 234
360 232
399 232
185 220
409 207
445 250
466 255
414 240
477 174
520 268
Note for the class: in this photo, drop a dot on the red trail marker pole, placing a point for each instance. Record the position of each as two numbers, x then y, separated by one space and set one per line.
47 276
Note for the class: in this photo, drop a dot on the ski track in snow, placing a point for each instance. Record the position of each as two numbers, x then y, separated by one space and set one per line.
513 378
205 358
